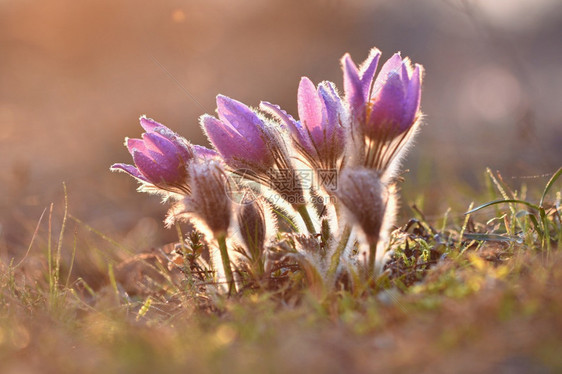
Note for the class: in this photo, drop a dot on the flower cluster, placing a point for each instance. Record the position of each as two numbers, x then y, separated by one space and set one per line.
327 176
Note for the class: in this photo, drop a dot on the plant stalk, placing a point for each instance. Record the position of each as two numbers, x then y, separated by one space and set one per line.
221 239
335 261
306 218
372 256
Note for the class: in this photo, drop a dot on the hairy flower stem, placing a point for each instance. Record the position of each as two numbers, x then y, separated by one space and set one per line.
335 261
221 239
372 256
306 218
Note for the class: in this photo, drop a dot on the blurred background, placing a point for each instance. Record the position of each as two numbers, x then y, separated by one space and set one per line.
76 75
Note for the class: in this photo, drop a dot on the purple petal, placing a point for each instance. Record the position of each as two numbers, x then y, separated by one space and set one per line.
165 154
328 89
310 106
182 145
135 144
332 104
157 143
392 64
184 148
333 137
219 131
129 169
163 151
241 118
300 135
205 152
155 172
275 110
406 70
367 71
230 143
148 124
353 86
413 96
388 105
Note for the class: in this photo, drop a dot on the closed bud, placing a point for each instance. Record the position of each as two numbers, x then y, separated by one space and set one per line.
209 201
363 195
239 135
251 222
319 134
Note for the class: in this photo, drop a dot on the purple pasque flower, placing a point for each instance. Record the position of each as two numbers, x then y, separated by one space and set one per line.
319 134
254 148
161 157
389 106
239 135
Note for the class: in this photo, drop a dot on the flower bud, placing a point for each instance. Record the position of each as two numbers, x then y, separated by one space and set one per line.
252 225
239 134
363 195
209 202
319 135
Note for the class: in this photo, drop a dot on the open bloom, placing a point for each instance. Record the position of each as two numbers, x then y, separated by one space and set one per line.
239 135
389 106
319 134
161 157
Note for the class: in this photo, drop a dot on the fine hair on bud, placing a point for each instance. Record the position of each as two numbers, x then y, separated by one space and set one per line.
209 203
251 221
363 195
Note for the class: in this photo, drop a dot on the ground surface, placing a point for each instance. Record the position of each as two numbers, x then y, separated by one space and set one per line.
495 307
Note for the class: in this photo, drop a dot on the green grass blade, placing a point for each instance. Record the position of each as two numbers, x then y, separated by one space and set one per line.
61 236
113 281
491 237
549 185
509 201
533 219
49 249
501 188
71 266
463 229
536 224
